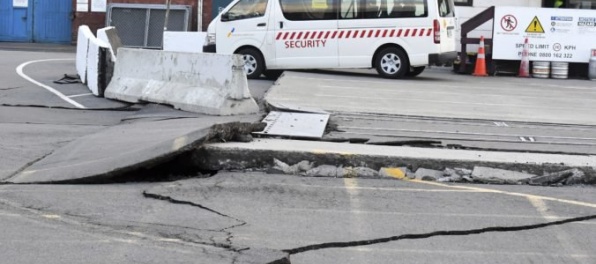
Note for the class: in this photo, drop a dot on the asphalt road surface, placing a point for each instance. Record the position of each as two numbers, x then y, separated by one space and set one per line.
253 217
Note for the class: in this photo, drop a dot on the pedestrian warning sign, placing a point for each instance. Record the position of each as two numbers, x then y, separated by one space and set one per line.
535 26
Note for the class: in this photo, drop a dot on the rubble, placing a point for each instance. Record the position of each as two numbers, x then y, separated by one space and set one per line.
558 177
479 174
428 175
499 176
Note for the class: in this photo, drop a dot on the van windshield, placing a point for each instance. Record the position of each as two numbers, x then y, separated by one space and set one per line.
446 8
246 9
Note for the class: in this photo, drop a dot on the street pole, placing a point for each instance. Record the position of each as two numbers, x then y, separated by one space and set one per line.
165 24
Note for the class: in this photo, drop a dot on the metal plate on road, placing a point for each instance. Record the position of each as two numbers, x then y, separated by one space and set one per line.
299 125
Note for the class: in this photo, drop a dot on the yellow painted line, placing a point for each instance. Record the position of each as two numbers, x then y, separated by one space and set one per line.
179 143
486 190
51 216
396 173
374 188
320 151
27 173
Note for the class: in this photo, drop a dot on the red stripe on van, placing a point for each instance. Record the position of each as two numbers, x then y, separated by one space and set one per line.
355 35
430 31
370 33
286 35
391 33
378 33
320 34
348 33
363 33
327 34
279 35
385 33
407 32
334 34
421 33
293 34
341 33
414 32
399 32
300 34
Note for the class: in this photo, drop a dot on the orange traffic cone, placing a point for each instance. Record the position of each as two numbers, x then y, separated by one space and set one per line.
524 66
480 69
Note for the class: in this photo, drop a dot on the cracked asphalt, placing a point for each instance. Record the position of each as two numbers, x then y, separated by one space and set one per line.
254 217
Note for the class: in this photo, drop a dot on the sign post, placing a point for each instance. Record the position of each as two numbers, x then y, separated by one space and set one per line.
20 3
561 35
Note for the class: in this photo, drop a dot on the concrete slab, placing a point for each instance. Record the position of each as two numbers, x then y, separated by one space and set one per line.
120 148
442 94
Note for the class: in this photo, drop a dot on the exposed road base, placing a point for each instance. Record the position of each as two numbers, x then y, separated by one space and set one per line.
262 152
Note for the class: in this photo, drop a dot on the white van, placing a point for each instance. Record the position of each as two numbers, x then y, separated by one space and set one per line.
397 37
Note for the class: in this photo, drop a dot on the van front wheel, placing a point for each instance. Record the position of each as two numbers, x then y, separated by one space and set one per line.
392 63
253 62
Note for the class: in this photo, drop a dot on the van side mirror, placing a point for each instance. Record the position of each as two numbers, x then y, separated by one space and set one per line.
225 17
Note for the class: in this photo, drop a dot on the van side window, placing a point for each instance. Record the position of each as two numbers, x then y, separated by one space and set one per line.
246 9
309 9
368 9
446 8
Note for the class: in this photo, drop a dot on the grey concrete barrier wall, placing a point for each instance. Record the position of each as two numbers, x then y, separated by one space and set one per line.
110 36
206 83
84 35
93 65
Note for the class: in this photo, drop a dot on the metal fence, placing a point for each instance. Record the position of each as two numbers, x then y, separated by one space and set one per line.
142 25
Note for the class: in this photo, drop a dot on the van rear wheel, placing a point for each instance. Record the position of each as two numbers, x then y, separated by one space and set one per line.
392 63
253 62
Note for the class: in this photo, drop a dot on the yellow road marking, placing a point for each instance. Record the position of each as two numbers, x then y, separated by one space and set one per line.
486 190
51 216
179 143
394 173
320 151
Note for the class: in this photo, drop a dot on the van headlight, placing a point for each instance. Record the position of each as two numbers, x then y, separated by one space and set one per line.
210 39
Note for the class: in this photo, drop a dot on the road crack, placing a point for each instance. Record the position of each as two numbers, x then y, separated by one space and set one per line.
10 88
229 235
493 229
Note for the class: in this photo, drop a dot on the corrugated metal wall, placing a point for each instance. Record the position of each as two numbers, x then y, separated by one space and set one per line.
45 21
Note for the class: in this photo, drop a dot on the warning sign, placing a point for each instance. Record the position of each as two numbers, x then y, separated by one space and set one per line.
535 26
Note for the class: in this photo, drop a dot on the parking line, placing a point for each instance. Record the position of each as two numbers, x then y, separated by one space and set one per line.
79 95
20 68
529 196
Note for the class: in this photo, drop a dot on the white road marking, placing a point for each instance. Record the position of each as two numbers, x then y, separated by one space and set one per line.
501 124
20 68
79 95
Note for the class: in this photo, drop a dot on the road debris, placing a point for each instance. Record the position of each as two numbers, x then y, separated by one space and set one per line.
479 174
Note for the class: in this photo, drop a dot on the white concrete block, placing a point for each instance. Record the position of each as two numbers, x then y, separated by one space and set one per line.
184 41
93 62
84 35
197 82
103 34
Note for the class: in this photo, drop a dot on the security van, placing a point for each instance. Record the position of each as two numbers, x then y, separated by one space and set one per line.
396 37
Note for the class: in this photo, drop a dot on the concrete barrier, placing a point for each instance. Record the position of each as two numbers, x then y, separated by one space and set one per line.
91 61
110 36
83 37
212 84
95 56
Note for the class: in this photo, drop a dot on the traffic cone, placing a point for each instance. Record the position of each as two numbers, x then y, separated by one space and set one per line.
480 69
524 66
